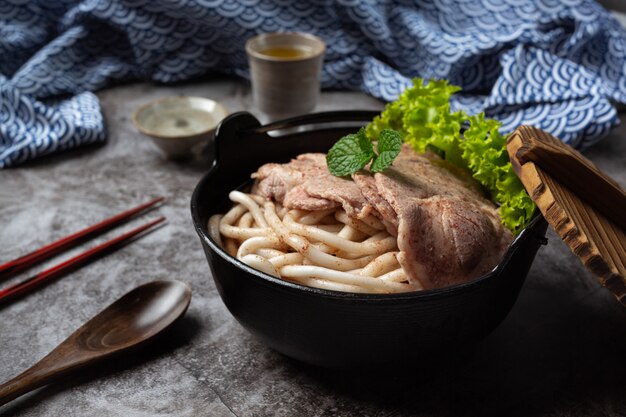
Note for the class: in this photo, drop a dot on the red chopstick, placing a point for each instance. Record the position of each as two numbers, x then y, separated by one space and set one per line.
13 267
75 262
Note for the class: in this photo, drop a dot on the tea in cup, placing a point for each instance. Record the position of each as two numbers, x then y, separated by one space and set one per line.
285 72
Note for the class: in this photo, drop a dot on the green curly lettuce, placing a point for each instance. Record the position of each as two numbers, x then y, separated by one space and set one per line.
484 151
423 117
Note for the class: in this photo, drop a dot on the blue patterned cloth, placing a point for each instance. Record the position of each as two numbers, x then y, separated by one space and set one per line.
556 64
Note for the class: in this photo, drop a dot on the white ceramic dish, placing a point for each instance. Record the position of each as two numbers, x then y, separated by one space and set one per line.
178 124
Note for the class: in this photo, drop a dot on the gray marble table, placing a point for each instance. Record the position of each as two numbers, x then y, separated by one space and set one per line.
558 353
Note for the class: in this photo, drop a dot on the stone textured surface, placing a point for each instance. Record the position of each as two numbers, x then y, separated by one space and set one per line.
558 353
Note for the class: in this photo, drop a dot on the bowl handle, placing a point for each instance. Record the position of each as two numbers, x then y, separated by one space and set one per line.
319 118
237 137
228 142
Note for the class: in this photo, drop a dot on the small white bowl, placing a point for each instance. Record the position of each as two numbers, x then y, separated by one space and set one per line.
177 124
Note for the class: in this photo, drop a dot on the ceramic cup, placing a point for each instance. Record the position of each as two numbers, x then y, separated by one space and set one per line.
178 125
285 72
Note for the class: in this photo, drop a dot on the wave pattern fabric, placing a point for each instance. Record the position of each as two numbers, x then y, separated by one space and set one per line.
556 64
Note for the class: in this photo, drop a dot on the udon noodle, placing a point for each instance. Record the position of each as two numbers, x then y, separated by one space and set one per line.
324 249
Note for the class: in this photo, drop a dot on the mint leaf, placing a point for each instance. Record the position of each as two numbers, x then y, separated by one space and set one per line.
389 145
350 154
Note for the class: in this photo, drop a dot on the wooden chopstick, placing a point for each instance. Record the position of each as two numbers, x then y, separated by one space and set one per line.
11 268
47 275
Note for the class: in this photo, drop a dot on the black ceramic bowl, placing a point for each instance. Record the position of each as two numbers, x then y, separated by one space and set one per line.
336 329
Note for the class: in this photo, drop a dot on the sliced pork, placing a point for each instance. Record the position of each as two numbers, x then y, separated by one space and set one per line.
383 210
447 231
306 184
446 240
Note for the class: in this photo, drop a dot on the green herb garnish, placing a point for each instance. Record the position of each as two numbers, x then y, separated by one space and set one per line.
422 116
353 152
389 145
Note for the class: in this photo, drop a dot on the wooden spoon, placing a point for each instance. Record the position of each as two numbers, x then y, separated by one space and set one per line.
133 319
